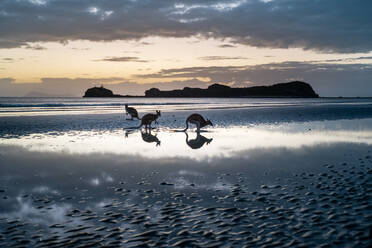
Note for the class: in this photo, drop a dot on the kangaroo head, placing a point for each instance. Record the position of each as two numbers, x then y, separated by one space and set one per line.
158 113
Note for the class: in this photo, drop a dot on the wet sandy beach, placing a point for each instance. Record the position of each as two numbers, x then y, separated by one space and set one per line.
291 180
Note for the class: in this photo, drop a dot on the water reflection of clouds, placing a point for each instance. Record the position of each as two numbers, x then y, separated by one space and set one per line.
26 211
226 141
190 173
104 178
44 189
216 178
95 181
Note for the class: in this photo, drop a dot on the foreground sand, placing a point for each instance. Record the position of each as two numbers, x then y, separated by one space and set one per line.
303 183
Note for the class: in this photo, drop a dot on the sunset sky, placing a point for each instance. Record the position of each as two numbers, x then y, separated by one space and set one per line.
62 47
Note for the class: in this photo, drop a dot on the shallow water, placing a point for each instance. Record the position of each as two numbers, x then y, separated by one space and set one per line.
283 177
216 142
36 106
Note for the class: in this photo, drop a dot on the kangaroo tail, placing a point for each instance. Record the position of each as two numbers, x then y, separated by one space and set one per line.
183 130
187 127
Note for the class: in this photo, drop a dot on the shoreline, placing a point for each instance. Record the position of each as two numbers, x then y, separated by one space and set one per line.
87 108
20 125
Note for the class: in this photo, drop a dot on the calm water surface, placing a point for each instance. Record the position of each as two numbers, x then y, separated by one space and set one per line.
26 106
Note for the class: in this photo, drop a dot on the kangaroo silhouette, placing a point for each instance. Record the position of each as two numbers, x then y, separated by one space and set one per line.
149 138
132 112
198 142
197 120
147 119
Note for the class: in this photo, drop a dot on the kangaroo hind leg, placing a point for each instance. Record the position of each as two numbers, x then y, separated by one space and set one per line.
198 127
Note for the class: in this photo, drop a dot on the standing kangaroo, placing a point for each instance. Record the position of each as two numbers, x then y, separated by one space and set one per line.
198 120
132 112
147 119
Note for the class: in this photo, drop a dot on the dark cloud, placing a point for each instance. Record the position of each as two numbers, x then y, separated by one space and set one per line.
123 59
343 60
214 58
365 57
8 59
226 46
80 49
10 44
145 43
327 26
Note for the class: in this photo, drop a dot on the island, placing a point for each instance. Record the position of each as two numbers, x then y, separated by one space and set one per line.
102 92
290 89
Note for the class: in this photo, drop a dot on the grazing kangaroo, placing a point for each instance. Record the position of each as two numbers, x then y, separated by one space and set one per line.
149 138
198 120
149 118
198 142
132 112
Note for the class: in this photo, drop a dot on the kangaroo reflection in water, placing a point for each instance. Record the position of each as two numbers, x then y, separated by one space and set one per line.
146 136
127 132
150 138
198 142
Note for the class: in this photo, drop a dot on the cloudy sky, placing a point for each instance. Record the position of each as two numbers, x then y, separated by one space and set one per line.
62 47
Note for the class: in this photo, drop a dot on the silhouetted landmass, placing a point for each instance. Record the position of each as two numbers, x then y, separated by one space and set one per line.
98 92
101 92
291 89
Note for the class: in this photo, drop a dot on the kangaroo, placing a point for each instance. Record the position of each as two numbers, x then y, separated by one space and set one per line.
147 119
132 112
198 120
149 138
198 142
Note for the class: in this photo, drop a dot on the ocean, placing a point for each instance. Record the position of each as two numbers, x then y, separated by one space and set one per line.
31 106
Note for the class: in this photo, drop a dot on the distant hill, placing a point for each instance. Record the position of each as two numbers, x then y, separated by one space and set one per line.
291 89
99 92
